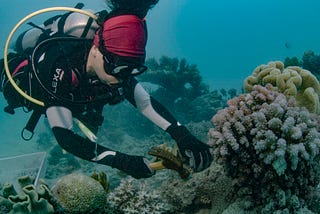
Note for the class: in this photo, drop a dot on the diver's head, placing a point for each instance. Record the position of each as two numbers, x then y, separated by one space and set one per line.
95 66
122 41
137 7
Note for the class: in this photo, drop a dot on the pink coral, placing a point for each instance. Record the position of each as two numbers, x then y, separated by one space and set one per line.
263 140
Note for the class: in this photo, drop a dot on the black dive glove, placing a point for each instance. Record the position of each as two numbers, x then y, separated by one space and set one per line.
196 153
136 166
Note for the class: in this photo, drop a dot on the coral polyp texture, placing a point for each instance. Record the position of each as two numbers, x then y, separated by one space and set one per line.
291 81
270 148
79 193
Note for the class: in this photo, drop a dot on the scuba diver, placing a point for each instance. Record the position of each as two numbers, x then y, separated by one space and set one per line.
103 71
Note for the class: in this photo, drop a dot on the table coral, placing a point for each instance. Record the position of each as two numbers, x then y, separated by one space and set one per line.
270 148
291 81
78 193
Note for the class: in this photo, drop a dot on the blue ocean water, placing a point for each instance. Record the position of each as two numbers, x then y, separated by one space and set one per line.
225 39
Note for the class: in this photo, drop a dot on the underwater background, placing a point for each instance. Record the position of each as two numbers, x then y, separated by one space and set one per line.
226 40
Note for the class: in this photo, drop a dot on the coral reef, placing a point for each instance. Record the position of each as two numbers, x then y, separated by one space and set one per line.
78 193
34 200
204 106
31 199
264 140
311 62
209 189
291 81
134 197
60 163
178 82
291 61
179 78
169 158
101 177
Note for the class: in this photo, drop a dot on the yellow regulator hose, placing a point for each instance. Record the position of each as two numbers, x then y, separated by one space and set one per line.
22 21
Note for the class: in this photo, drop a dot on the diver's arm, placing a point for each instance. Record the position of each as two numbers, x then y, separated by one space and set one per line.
147 105
60 120
195 152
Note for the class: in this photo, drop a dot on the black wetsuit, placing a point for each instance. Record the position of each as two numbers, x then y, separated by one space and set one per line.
66 78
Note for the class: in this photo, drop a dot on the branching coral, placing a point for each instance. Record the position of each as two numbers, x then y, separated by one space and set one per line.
136 198
178 81
269 147
203 107
311 62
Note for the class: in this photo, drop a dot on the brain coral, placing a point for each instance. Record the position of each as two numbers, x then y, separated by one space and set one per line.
78 193
269 147
291 81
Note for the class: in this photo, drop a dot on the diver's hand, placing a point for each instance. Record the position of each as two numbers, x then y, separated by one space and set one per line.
136 166
196 153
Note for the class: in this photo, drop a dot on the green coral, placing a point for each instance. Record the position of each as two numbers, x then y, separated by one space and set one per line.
32 199
79 193
270 148
293 81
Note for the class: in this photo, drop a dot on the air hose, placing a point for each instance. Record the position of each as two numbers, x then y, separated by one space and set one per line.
22 21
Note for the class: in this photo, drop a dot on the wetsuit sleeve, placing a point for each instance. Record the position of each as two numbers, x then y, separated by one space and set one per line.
147 105
60 120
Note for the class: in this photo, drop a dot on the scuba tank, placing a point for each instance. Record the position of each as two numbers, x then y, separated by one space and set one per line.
68 24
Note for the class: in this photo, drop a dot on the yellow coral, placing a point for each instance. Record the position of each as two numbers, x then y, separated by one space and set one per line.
79 193
291 81
102 178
